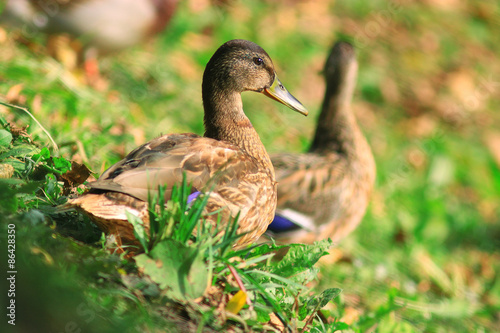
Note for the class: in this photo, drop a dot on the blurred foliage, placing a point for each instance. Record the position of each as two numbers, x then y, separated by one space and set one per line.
425 257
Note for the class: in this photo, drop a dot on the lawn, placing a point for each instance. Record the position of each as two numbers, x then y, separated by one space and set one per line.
424 259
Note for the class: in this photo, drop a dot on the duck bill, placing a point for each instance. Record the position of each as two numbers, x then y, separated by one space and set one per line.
278 92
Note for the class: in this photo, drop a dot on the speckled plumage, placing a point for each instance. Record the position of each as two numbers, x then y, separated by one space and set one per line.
230 161
332 182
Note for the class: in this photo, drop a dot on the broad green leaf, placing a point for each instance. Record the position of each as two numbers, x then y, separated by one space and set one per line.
42 155
61 164
20 151
262 313
315 303
177 268
260 249
5 138
301 257
327 295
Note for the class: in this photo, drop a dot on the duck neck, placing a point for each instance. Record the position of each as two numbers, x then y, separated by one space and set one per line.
337 129
226 121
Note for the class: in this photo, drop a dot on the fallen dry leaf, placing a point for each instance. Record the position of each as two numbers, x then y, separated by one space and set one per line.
350 315
3 36
75 177
333 257
445 5
19 131
492 140
14 94
417 158
36 104
276 323
6 171
421 126
390 90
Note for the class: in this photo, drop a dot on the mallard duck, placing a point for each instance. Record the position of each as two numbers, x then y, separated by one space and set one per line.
108 25
324 193
102 26
229 163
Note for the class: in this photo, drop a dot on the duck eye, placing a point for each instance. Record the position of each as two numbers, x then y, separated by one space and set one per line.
258 61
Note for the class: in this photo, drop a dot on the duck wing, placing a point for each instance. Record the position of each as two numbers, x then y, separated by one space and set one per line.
236 181
309 187
302 177
163 161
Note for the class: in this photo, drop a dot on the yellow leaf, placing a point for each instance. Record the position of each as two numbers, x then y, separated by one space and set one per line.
237 302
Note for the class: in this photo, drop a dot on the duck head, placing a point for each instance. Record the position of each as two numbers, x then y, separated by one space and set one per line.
341 68
240 65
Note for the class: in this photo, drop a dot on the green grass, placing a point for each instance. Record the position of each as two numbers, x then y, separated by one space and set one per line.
425 258
181 267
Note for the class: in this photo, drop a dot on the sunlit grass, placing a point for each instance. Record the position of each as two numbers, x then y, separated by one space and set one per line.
425 256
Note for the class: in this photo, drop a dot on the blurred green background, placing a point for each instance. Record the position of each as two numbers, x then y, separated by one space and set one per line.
427 98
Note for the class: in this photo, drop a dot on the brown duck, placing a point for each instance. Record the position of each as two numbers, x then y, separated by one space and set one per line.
324 193
230 160
101 26
108 25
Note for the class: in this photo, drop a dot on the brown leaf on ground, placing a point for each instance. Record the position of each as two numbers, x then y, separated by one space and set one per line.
350 315
75 177
21 131
492 141
6 171
335 255
421 127
14 94
463 88
36 104
276 323
445 5
214 296
196 6
424 91
390 91
185 66
3 36
417 158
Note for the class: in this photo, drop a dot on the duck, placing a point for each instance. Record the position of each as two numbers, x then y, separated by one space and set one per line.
228 163
324 192
101 26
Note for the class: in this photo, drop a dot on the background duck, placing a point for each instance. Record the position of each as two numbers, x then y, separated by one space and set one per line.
101 26
230 158
324 193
